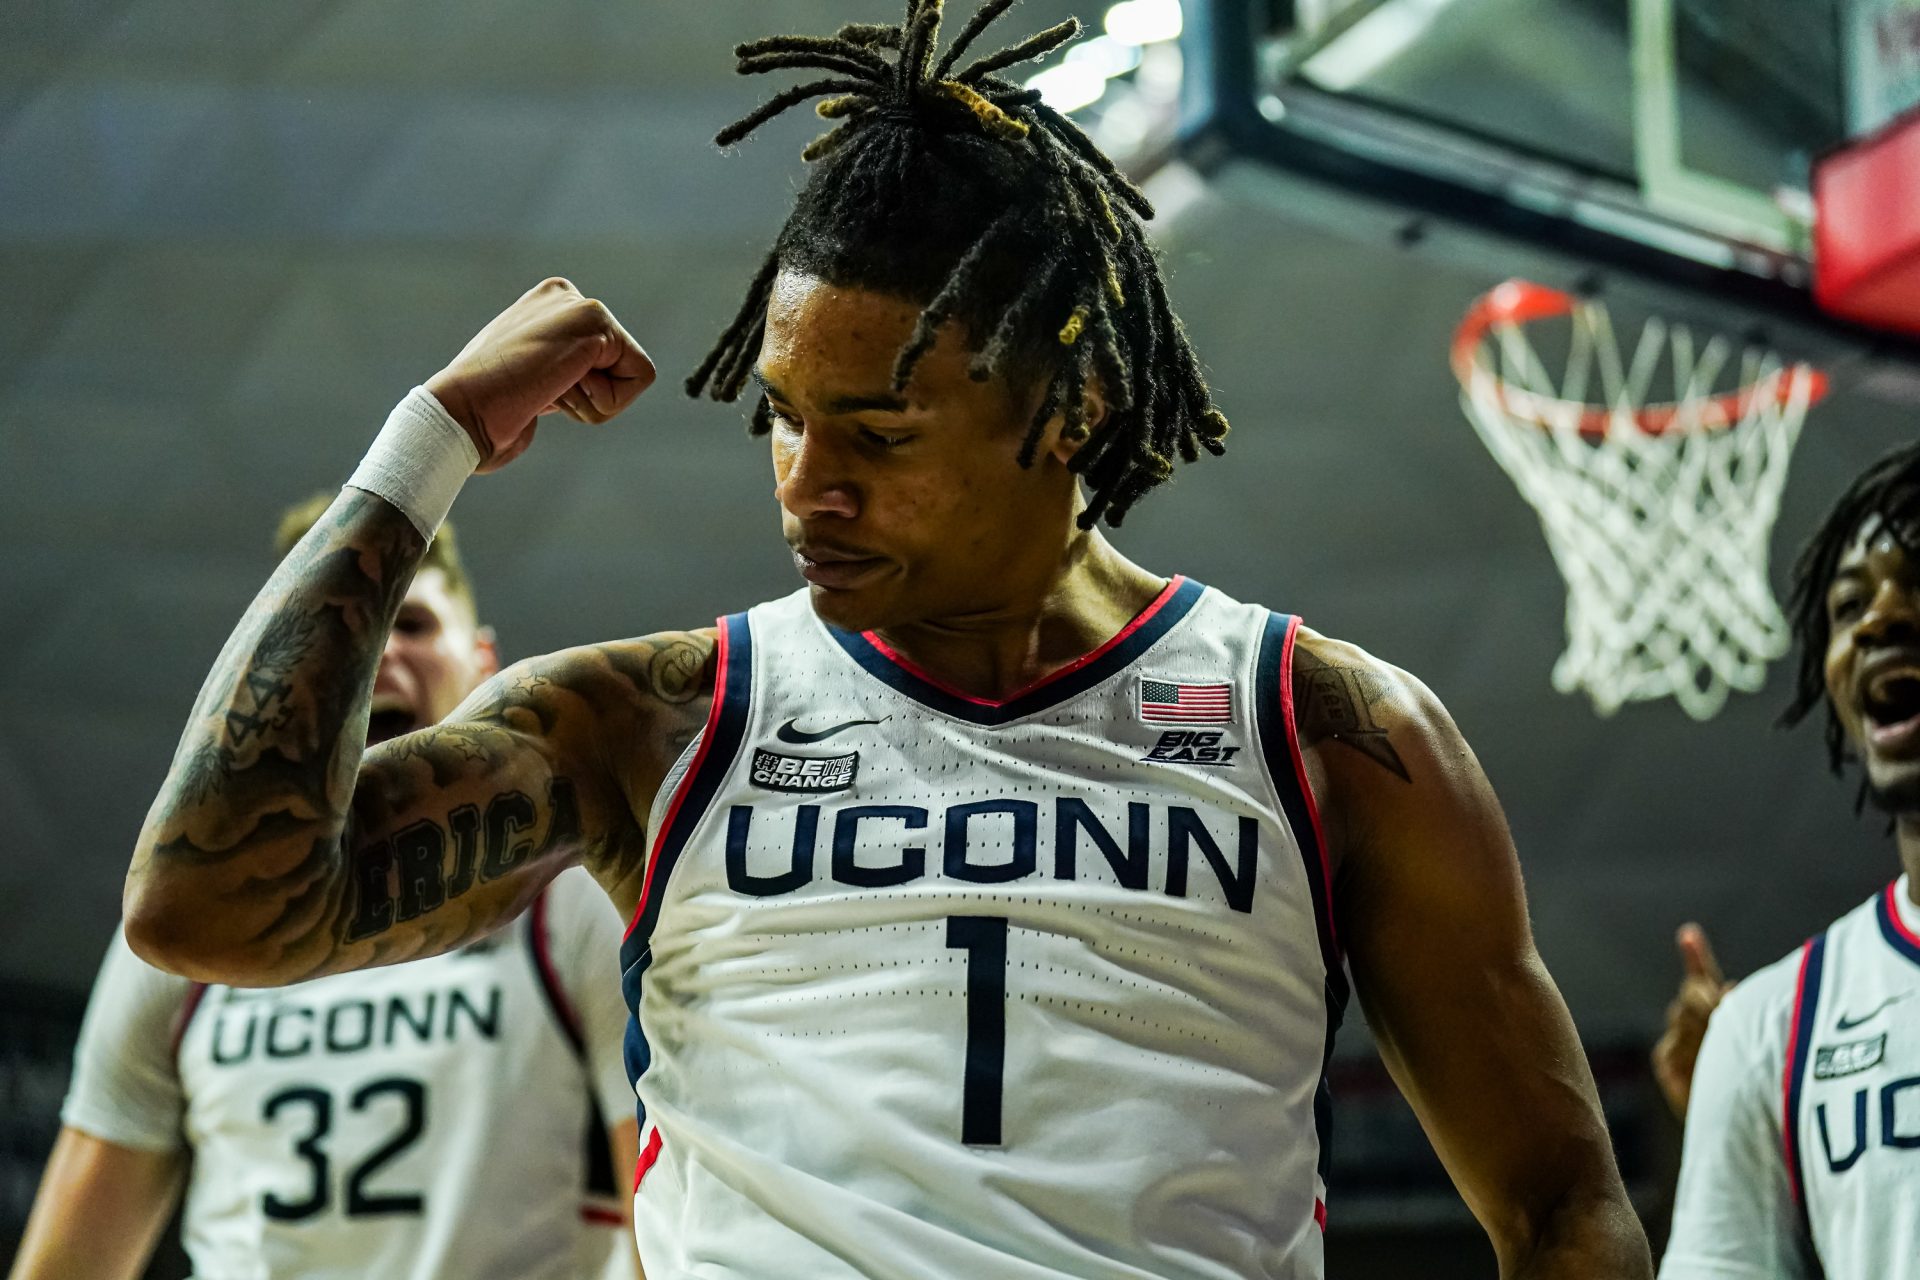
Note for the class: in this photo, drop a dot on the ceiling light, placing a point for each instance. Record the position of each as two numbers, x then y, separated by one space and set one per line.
1070 86
1144 21
1112 57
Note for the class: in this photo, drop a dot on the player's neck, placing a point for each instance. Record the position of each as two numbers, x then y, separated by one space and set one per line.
1061 614
1906 833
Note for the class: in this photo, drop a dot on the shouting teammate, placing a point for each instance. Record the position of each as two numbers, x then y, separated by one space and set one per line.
429 1120
992 896
1802 1146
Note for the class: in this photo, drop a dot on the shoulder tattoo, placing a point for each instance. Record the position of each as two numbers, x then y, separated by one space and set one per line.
1334 702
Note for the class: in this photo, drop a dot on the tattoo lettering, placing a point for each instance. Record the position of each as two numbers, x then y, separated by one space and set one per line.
1335 703
508 815
373 911
465 825
404 877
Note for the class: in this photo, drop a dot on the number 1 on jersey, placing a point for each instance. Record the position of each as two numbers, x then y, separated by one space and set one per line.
984 939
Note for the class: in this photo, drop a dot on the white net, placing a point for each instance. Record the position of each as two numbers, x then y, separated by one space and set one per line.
1658 515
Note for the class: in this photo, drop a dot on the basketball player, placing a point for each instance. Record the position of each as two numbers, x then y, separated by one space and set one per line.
424 1120
992 896
1804 1124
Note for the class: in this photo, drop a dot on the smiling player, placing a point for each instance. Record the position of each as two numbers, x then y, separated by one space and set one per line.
993 897
1803 1128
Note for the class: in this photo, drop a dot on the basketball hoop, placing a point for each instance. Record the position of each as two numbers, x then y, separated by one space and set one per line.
1658 513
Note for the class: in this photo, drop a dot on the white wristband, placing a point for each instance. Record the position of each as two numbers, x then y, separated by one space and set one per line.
419 461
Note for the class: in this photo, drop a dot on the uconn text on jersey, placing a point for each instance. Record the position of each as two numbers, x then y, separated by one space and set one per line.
775 850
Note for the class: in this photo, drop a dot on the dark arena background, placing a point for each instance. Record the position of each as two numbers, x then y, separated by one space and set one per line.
233 234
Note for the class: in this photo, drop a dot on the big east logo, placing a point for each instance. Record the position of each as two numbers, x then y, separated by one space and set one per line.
1192 746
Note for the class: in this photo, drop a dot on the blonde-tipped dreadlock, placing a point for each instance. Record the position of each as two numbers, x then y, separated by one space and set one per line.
966 193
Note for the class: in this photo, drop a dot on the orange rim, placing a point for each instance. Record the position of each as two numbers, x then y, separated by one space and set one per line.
1522 302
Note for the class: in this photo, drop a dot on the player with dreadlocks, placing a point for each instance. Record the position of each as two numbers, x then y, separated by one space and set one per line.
974 196
1802 1153
993 898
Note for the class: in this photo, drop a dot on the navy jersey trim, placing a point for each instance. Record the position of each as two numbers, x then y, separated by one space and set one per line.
719 747
1280 744
1893 928
1158 618
1806 1002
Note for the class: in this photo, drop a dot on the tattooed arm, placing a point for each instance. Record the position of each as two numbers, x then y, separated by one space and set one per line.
275 852
1431 911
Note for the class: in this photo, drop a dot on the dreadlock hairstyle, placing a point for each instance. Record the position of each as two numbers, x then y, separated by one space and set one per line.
1887 492
960 191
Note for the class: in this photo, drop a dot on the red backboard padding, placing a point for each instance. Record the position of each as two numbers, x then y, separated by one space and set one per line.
1866 231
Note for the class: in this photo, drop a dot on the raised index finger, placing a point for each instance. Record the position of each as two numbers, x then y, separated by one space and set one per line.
1696 954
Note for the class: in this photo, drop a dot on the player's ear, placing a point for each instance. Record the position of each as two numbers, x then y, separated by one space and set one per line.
486 652
1065 444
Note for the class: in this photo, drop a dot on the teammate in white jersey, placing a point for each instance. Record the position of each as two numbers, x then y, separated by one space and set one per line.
1802 1151
992 899
360 1125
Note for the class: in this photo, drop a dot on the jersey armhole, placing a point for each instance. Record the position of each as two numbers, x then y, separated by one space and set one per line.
188 1007
718 745
596 1157
547 977
1806 1002
1277 725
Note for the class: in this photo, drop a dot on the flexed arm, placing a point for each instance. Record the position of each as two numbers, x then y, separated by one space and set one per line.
274 851
1465 1015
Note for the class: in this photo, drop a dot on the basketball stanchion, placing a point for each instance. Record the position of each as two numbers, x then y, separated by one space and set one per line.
1657 512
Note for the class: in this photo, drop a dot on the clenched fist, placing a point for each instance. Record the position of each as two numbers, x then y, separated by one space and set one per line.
553 351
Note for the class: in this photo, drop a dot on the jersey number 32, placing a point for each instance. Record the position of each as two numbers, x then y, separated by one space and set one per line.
316 1106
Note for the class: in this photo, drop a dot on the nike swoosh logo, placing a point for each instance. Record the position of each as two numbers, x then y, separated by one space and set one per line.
787 733
1848 1024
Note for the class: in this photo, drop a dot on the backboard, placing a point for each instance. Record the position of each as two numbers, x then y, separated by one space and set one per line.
1670 138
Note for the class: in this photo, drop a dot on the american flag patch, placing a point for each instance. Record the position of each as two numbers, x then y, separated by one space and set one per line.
1171 702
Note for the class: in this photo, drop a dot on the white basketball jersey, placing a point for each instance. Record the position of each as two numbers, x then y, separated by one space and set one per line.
420 1120
1803 1136
931 986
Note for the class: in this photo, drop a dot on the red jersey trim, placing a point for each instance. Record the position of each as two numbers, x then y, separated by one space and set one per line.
920 673
648 1155
1895 920
707 736
1306 788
